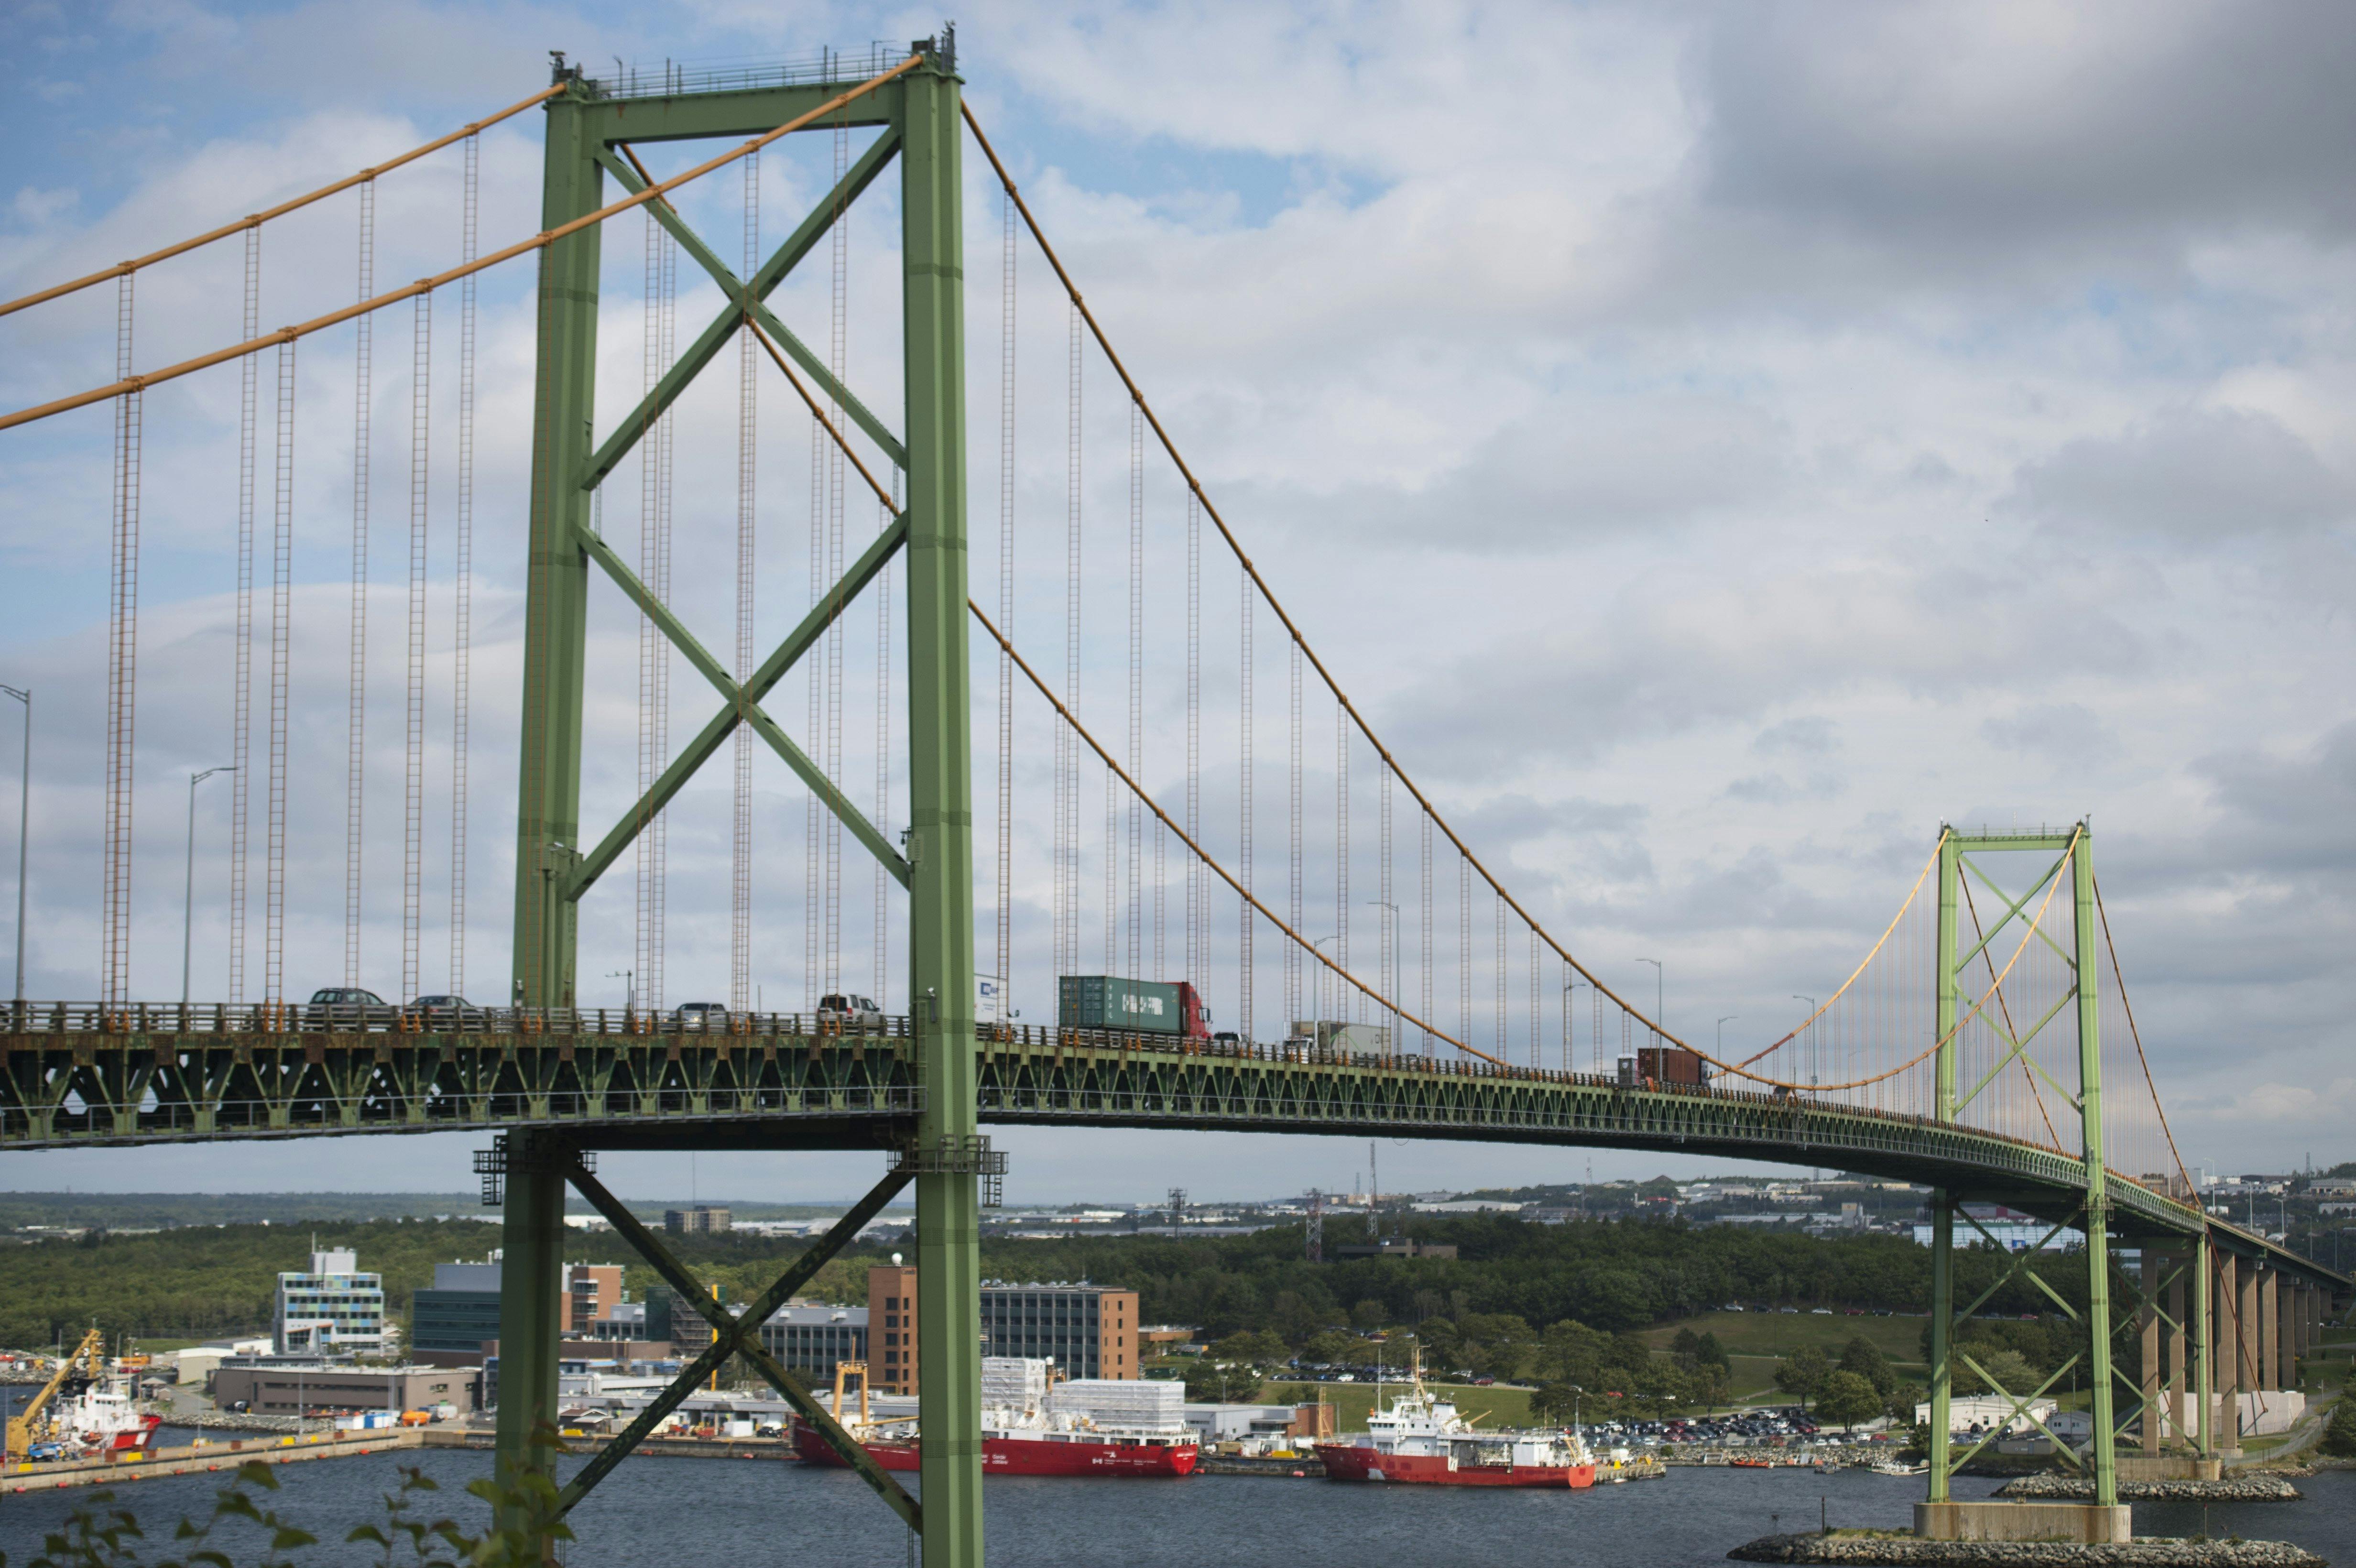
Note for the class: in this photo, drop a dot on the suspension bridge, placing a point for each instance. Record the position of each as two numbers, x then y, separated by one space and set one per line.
1985 1045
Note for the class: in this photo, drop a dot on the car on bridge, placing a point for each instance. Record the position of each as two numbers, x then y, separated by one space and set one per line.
848 1013
350 1007
447 1012
699 1017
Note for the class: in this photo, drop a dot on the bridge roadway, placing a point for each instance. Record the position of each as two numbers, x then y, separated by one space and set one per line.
77 1075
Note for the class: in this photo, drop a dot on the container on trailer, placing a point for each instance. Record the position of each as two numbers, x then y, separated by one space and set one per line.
1108 1002
990 999
1669 1064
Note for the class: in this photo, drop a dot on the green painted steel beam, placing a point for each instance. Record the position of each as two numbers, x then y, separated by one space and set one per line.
531 1293
708 740
738 1336
688 115
749 712
556 599
724 326
940 796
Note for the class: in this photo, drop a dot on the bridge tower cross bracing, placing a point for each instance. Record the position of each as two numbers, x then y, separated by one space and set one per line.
590 128
1959 1002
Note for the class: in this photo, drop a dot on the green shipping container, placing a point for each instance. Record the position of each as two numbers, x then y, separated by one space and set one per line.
1104 1001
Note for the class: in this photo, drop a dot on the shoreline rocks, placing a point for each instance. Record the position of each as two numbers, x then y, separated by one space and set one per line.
1869 1550
2247 1488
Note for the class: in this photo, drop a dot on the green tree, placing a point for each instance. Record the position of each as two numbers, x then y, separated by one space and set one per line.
1710 1353
1332 1349
1369 1316
1802 1373
2339 1436
1864 1357
1848 1398
1251 1348
2010 1370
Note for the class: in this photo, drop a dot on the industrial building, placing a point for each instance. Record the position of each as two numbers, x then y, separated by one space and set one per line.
330 1306
454 1321
296 1385
1088 1330
696 1220
812 1339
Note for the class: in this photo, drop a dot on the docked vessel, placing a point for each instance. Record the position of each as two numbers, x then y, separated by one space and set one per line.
1101 1427
99 1419
81 1413
1422 1439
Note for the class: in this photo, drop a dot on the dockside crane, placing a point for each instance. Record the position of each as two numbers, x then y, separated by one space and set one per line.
23 1429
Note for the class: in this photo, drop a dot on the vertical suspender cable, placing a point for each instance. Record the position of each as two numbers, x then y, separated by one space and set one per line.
1136 677
1195 954
1292 998
1342 847
1005 961
1427 894
1247 959
1504 977
1067 773
121 664
282 583
462 566
838 361
1534 1007
881 943
665 436
649 639
249 372
413 823
740 882
813 662
1463 947
1386 931
356 722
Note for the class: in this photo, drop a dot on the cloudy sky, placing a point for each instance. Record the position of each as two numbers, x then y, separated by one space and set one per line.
1714 446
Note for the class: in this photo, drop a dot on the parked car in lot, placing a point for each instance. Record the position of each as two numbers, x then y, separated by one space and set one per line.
348 1007
700 1018
853 1014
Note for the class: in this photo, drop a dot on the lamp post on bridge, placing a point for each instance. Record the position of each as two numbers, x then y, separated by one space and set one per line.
188 892
1812 1013
1721 1033
1567 1033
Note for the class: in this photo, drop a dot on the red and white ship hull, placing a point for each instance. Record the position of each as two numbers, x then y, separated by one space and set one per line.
1061 1454
1357 1462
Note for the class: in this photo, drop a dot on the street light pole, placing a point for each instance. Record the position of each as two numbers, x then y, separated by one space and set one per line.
24 833
1721 1033
1568 1033
1660 997
188 895
1812 1013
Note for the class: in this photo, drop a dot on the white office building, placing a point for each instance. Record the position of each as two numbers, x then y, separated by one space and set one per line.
332 1308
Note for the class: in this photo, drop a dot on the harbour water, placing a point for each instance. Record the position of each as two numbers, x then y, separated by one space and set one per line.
751 1512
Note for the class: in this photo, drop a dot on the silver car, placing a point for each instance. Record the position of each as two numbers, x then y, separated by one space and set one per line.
848 1013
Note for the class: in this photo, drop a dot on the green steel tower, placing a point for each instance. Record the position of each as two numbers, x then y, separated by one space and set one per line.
913 105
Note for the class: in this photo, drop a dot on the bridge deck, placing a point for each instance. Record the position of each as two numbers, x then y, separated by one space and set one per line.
77 1075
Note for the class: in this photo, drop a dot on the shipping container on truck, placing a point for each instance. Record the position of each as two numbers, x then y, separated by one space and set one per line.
1669 1064
1131 1007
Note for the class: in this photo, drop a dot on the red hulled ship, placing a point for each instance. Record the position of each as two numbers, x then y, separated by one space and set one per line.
1029 1427
1421 1439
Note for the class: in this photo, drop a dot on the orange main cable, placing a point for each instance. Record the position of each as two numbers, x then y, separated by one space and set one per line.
256 220
426 285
